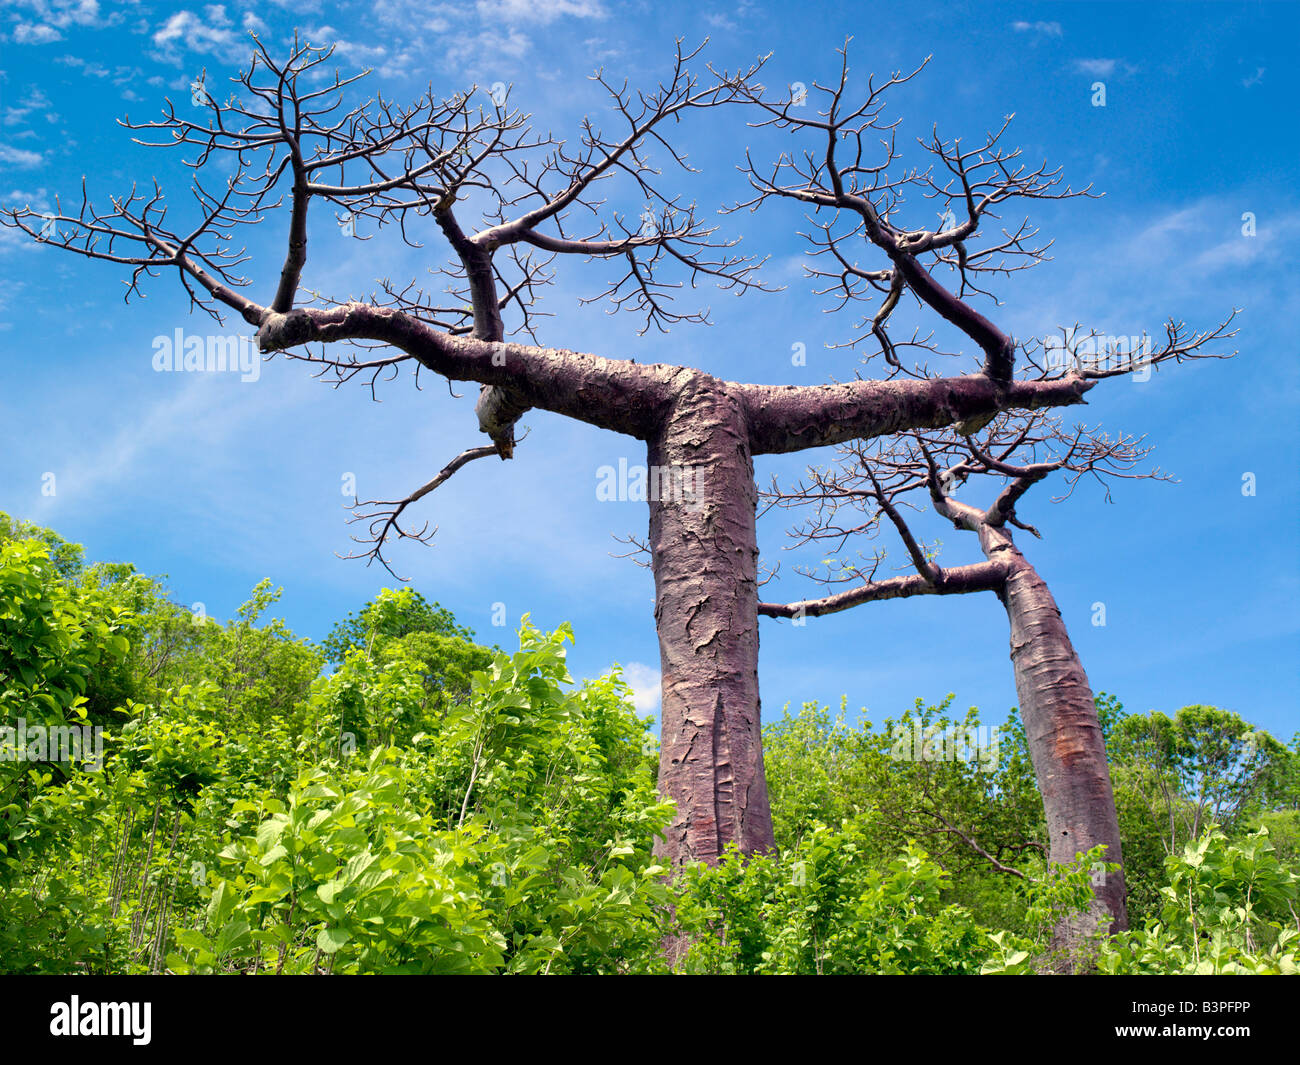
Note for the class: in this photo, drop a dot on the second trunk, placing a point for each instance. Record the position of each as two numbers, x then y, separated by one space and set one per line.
1064 738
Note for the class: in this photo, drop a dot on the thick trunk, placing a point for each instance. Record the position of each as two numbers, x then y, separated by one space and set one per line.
705 555
1065 741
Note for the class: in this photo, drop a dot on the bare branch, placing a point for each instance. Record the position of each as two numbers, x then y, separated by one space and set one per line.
384 521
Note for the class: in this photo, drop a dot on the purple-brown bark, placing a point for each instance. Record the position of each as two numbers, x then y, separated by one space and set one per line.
1063 735
1064 738
704 554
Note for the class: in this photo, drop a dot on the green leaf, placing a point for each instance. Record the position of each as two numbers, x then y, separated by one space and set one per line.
331 940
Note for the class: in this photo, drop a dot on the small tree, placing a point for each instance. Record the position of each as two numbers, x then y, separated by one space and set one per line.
1202 767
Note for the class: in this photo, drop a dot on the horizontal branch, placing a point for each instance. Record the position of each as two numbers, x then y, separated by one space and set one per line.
790 418
614 394
959 580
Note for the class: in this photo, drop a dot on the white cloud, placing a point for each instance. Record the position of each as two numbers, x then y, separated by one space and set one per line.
10 156
599 49
35 33
35 102
1047 29
15 240
542 11
35 198
91 70
360 54
1181 229
204 411
63 13
489 34
646 684
190 30
209 34
1101 68
512 43
1274 237
120 74
1180 253
48 17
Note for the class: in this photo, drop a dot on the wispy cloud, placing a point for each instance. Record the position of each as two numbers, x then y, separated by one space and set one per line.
1043 29
202 409
44 20
1258 238
212 33
543 12
19 157
1100 68
35 33
35 103
120 74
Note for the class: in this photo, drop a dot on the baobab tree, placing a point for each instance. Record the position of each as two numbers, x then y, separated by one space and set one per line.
873 485
287 142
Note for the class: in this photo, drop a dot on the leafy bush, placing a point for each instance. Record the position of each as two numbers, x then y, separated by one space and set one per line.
1229 908
436 806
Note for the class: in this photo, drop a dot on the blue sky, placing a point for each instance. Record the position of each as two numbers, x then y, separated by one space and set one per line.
219 482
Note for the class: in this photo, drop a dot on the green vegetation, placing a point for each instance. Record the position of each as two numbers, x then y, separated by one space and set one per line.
430 805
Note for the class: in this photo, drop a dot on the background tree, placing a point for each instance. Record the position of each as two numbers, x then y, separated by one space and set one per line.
873 485
1203 766
286 140
394 614
975 812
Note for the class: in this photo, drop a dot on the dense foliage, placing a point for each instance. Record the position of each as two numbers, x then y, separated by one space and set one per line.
402 799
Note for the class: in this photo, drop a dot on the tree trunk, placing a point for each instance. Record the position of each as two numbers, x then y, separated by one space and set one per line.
704 553
1065 741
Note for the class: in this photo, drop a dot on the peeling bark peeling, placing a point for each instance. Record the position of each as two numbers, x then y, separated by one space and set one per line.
1061 727
1064 736
704 553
